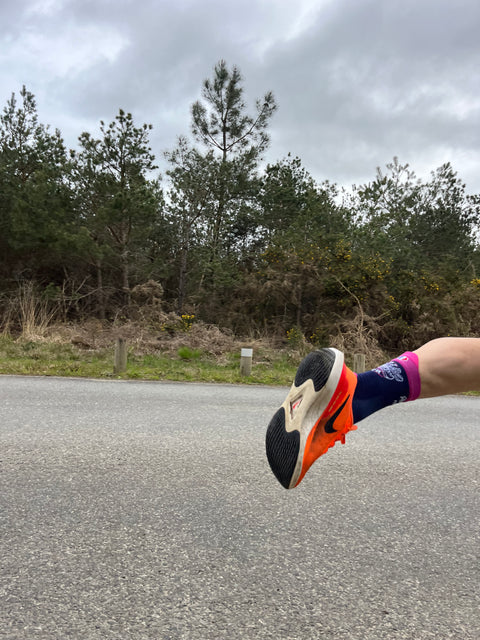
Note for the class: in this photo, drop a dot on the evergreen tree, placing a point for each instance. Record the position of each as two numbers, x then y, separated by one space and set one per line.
444 228
190 202
35 201
120 205
220 121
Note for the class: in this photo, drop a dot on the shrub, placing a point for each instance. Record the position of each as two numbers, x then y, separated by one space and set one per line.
186 353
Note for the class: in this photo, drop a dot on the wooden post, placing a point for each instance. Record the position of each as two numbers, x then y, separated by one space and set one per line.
120 356
246 362
358 362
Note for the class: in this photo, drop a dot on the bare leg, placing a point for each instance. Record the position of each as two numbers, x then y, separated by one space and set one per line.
449 365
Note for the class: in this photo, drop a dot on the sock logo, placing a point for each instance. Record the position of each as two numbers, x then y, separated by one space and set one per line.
390 371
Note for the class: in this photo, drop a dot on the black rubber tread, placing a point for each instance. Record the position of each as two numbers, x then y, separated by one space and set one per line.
282 448
317 366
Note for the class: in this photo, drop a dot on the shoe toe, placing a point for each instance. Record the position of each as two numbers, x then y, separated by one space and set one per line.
282 448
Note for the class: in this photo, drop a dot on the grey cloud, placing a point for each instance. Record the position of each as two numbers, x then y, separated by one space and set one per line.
369 83
356 82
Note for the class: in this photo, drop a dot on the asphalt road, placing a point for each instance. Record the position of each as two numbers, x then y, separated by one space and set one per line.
133 510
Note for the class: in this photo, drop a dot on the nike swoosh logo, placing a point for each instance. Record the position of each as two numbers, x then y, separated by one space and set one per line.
329 424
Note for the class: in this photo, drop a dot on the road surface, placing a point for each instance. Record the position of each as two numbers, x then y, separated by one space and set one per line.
135 510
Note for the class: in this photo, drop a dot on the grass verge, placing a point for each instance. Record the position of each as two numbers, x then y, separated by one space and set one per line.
19 357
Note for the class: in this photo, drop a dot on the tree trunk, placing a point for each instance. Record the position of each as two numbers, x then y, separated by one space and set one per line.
100 291
125 277
182 278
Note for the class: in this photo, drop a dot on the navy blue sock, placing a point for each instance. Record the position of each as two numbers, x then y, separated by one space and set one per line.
380 388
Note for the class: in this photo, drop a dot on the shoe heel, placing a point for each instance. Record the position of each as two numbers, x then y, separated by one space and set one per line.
316 366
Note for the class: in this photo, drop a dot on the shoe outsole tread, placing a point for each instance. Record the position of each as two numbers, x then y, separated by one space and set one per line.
316 366
282 448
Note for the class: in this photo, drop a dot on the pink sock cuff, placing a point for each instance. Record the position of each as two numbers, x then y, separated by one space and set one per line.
409 362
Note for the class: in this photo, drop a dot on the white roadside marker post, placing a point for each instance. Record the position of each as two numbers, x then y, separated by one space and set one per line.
246 356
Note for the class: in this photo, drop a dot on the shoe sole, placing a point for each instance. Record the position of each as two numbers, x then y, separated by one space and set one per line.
315 383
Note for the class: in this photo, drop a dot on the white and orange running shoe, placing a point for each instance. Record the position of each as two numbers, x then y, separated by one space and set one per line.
316 413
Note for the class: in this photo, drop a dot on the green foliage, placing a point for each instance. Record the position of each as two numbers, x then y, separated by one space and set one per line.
220 120
35 201
119 206
295 337
225 217
186 353
186 321
250 248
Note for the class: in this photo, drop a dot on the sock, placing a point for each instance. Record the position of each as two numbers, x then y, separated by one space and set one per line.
393 382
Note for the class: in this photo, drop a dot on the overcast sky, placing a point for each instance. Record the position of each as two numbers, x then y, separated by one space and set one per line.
357 82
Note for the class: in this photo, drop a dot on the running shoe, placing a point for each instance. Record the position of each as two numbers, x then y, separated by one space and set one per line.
316 413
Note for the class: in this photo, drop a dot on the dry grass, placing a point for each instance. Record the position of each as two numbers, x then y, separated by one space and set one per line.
28 311
359 335
143 339
150 331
